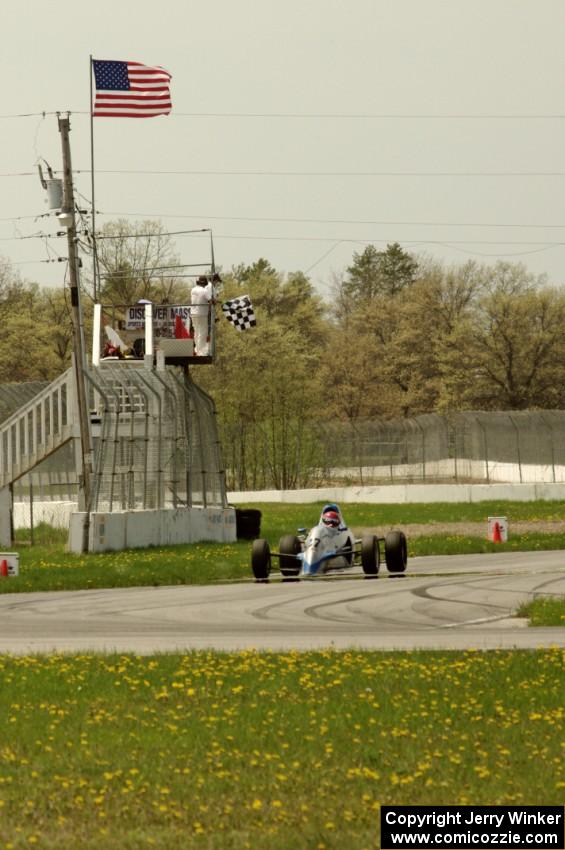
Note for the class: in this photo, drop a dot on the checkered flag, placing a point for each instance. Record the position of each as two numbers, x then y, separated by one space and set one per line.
239 311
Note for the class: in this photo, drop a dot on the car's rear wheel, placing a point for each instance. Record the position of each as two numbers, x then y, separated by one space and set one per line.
396 552
261 559
289 547
370 555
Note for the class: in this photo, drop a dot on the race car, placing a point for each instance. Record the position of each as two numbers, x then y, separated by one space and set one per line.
329 545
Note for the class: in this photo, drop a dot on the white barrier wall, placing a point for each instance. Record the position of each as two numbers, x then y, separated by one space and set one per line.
405 493
56 514
140 529
5 516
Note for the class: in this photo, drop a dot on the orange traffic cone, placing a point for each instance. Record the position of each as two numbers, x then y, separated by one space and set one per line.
4 568
496 535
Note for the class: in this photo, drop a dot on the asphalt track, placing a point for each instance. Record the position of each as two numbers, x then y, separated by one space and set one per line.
457 602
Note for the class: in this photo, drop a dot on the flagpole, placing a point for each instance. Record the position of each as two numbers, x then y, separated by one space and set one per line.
212 252
94 252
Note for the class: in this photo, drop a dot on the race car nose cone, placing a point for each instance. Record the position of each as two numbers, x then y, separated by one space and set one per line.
310 569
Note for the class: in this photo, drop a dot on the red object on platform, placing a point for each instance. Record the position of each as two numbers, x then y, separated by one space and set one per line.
180 329
496 535
4 567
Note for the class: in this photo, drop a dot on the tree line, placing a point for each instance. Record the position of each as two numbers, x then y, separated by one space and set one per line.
397 336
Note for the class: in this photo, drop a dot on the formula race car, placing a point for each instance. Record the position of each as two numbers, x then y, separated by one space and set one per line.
330 545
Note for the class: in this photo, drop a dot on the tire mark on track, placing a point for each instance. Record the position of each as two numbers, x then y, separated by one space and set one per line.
424 593
263 613
313 610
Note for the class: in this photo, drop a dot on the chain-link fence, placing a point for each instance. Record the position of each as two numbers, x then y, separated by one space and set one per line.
45 498
519 446
156 445
471 446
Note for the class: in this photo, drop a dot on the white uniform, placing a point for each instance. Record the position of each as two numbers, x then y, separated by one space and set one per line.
200 299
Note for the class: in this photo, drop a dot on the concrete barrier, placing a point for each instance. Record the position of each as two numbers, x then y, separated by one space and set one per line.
54 513
140 529
491 471
406 493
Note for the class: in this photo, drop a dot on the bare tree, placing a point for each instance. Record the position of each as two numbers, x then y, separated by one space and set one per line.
138 261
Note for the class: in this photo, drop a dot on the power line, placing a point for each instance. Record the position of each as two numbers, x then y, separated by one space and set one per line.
35 114
135 270
547 244
18 174
375 222
57 235
32 262
342 116
279 220
148 235
387 116
25 217
302 238
269 173
455 245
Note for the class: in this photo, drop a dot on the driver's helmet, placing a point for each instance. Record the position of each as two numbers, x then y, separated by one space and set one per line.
330 518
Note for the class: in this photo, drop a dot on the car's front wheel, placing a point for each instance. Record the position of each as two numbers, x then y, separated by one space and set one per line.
261 559
396 552
289 548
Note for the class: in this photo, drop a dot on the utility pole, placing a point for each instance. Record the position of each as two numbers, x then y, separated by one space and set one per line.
67 218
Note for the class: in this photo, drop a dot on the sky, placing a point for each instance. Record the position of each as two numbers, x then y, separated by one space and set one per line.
301 132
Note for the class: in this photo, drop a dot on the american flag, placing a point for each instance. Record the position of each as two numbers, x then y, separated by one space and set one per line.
130 90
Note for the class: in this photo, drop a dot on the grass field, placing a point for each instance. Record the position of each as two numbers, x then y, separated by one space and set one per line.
292 751
261 751
279 517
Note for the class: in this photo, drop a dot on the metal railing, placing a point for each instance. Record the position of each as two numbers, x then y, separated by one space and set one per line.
37 429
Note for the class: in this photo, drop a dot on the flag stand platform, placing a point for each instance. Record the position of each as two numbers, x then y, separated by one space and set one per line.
171 334
150 335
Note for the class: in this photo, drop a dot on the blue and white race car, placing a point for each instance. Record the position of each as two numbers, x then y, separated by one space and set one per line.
330 545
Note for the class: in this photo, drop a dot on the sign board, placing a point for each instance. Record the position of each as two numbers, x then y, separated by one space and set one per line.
12 560
164 316
498 529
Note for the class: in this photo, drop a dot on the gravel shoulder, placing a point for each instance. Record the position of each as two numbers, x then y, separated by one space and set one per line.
467 529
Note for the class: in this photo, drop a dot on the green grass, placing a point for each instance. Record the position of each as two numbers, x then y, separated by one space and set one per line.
43 534
456 544
250 751
48 567
44 568
544 611
282 518
51 568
